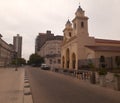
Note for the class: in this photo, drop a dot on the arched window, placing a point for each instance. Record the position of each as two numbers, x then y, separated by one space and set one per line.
102 61
59 61
74 25
117 61
82 24
70 34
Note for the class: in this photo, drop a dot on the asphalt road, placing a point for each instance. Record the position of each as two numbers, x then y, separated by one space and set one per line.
50 87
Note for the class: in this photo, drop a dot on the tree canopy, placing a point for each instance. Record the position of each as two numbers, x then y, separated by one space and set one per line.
19 61
35 60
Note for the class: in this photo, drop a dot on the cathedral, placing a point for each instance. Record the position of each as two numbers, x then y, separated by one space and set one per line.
78 45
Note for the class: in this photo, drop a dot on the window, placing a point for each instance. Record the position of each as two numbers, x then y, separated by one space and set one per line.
59 61
102 58
50 61
82 24
69 34
58 52
117 61
102 61
51 52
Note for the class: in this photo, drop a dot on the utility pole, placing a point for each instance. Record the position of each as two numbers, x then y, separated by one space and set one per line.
16 61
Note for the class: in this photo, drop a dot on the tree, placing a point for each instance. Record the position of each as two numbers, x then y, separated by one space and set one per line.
35 60
18 61
21 61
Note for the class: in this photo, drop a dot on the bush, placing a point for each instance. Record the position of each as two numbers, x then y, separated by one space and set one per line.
65 70
102 71
117 75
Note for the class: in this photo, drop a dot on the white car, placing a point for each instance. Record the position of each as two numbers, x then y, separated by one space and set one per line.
45 67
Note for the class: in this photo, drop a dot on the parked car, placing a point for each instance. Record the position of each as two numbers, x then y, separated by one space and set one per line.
45 67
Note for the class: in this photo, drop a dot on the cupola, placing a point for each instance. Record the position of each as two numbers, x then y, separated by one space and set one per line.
79 12
68 24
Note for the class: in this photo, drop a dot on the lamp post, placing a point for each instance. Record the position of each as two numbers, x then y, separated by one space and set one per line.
0 49
16 61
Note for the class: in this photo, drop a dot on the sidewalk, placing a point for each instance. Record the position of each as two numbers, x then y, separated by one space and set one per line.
11 85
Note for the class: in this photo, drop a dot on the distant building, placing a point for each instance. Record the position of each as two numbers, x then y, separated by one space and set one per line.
41 39
6 53
49 46
78 46
51 51
17 43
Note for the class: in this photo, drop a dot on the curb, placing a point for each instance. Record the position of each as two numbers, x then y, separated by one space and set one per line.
27 90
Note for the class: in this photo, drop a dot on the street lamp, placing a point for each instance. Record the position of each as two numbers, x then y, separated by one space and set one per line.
0 48
16 61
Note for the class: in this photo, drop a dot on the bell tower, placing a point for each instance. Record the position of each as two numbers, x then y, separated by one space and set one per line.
80 23
68 31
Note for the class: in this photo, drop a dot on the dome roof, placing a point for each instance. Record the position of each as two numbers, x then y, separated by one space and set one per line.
79 12
79 9
68 22
0 35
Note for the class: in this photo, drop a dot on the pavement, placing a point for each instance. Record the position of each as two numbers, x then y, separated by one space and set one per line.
106 92
52 87
12 86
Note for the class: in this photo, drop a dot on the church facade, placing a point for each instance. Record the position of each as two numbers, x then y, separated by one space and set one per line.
78 45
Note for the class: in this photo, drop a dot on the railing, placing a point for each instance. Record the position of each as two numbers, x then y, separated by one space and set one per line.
86 75
80 74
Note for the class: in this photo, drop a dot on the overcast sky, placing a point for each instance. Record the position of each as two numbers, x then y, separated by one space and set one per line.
29 17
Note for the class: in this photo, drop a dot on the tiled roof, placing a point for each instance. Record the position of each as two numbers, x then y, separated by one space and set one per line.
107 41
104 48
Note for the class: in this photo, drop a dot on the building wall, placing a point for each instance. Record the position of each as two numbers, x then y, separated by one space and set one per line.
41 39
82 42
72 47
51 51
6 53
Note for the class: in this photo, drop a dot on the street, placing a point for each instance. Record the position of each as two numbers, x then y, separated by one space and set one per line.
51 87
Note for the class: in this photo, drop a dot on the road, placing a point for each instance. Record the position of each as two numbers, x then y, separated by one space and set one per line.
50 87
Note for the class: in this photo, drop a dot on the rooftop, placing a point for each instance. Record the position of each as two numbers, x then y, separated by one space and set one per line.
104 48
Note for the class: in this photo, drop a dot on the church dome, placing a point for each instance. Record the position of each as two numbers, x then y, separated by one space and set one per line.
79 12
68 24
79 9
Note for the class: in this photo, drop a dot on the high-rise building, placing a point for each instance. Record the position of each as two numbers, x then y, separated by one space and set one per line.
17 42
41 39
